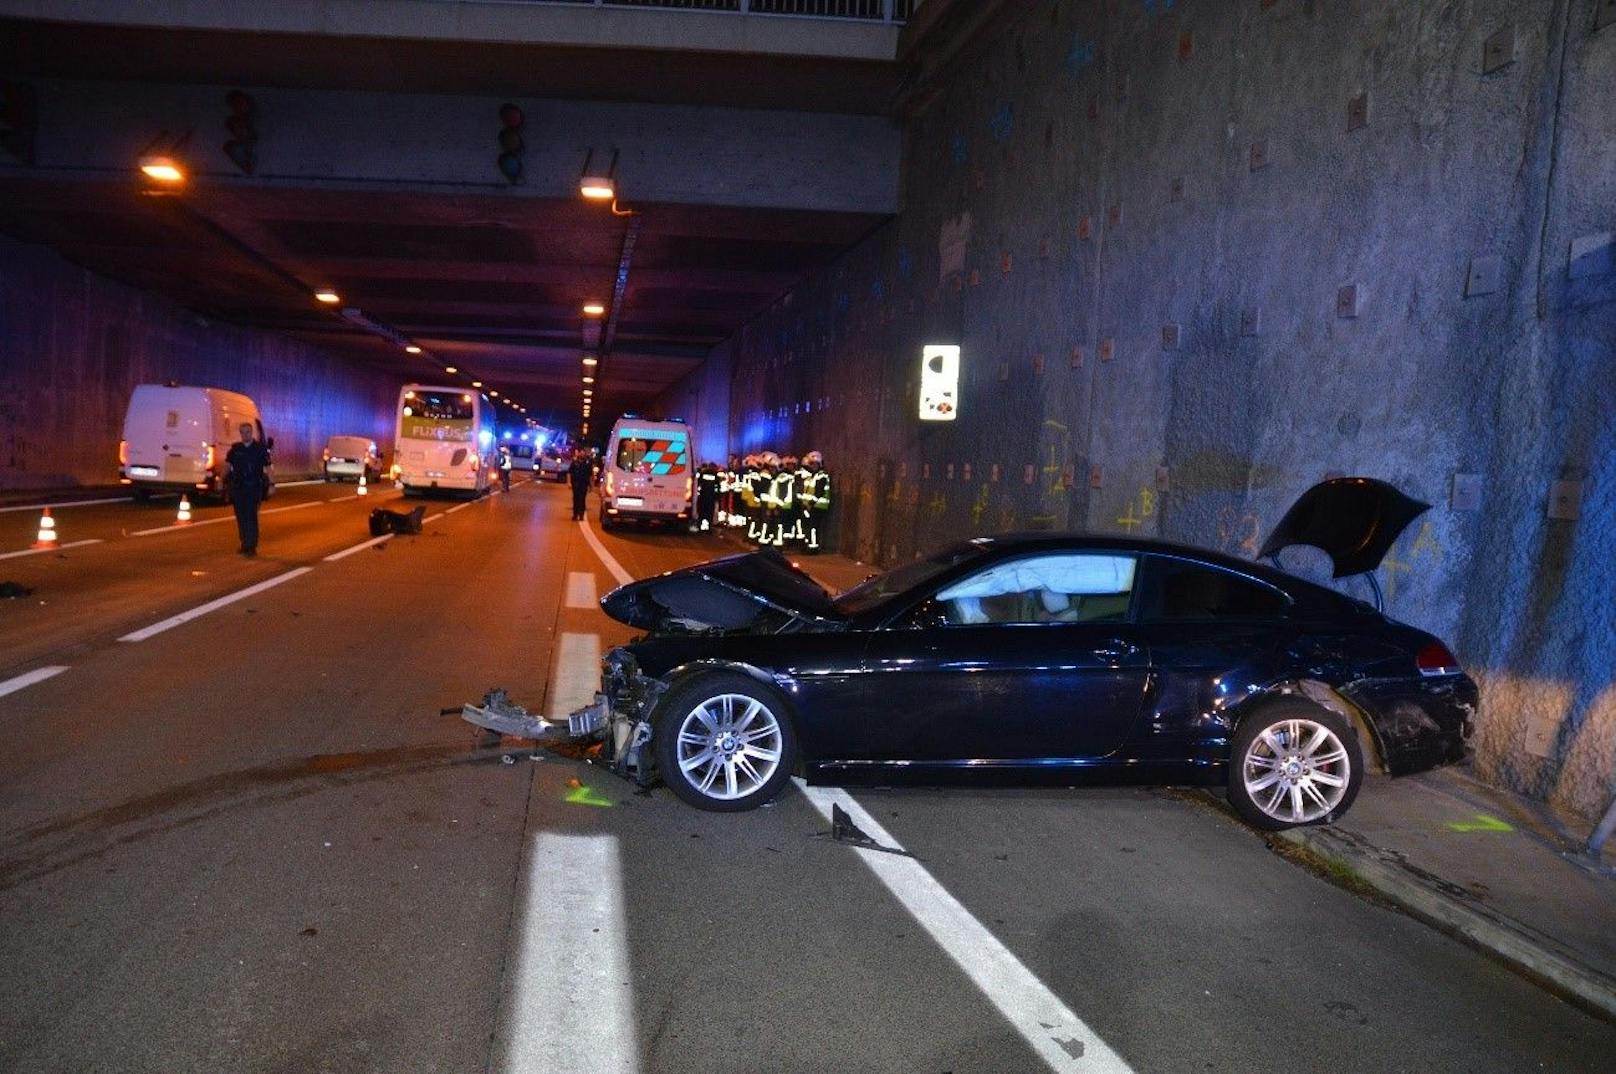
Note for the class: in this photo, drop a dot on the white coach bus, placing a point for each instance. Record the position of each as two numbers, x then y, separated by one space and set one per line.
445 440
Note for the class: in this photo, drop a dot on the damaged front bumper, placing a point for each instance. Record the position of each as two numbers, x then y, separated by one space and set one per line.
618 718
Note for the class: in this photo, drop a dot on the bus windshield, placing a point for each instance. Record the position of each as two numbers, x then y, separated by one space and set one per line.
442 416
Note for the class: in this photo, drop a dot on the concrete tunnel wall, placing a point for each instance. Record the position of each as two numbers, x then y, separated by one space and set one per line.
1205 255
73 345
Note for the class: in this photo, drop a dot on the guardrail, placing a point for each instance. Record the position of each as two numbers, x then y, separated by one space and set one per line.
863 10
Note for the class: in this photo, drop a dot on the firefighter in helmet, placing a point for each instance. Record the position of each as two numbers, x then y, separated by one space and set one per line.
706 496
785 499
813 496
752 495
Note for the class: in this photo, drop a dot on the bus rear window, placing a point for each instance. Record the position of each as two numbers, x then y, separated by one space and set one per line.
652 455
435 416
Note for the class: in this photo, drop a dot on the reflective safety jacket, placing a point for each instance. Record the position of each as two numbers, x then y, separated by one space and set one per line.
708 483
781 490
814 490
749 487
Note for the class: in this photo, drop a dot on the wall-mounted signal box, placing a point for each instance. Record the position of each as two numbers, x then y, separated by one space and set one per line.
939 382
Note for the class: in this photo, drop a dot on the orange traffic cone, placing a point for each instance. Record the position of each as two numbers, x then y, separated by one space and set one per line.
47 531
184 515
363 491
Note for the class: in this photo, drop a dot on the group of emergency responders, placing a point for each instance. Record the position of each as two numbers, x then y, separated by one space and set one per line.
780 501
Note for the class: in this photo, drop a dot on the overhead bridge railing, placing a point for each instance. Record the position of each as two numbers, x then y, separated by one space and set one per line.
865 10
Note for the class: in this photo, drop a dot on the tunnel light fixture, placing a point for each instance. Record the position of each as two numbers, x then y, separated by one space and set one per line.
492 394
591 360
598 187
411 348
327 296
589 380
594 309
162 168
450 369
476 384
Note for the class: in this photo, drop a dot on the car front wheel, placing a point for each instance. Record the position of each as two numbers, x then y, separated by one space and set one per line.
1293 765
724 743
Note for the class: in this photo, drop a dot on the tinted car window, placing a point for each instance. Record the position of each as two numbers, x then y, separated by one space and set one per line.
871 592
1176 589
1060 588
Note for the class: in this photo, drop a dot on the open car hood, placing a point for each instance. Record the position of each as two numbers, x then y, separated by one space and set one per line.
758 591
1354 520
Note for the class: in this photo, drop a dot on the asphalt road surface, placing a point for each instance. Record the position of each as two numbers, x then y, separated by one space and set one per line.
236 835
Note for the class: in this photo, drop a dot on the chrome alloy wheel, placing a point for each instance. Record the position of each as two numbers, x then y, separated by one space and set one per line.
1296 771
729 746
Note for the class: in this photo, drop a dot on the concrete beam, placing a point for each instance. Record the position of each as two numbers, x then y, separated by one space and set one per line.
668 154
583 25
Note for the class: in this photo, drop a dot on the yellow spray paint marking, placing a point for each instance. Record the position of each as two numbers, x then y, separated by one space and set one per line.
585 795
979 507
1481 823
1426 544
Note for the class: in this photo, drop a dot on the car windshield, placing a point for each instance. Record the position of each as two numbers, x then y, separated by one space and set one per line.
867 594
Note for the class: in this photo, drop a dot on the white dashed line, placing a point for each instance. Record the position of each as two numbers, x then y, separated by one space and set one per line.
52 548
175 527
28 678
360 547
1062 1040
213 605
575 674
461 507
571 1005
581 590
614 568
69 503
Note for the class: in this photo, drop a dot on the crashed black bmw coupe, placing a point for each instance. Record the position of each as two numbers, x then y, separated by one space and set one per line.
1045 657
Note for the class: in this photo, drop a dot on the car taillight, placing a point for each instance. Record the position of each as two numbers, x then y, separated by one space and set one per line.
609 483
1435 659
207 456
123 453
688 487
325 454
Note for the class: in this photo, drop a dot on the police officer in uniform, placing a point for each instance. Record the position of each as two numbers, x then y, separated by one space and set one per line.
813 494
246 479
706 495
505 468
579 476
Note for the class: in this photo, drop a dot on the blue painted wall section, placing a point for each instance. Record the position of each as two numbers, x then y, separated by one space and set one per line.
1218 251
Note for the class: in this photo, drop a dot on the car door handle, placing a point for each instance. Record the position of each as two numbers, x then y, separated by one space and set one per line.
1115 650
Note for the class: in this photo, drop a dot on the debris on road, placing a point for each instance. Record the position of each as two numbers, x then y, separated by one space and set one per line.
13 590
843 830
383 521
498 713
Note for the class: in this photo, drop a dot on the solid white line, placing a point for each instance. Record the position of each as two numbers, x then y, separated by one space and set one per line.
575 674
360 547
175 527
571 1005
1064 1042
433 518
52 548
69 503
461 507
213 605
581 590
28 678
614 568
295 484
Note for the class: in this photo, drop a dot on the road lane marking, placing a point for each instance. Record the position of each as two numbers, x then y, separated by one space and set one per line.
574 674
1062 1040
28 678
581 590
614 568
571 1005
433 518
69 503
452 510
213 605
360 547
52 548
174 527
295 484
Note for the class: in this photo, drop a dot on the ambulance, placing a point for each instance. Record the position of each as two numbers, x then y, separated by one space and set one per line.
646 475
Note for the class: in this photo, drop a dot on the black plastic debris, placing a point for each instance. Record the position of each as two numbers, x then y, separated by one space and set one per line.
843 830
383 521
13 590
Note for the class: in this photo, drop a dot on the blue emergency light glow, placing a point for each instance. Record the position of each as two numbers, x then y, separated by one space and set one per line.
524 437
484 437
507 436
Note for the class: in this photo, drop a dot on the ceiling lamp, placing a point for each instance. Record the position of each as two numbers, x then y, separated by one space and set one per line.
591 360
328 296
589 380
411 348
450 369
162 168
476 384
593 309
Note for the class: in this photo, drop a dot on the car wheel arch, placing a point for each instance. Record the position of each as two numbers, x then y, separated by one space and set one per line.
682 675
1325 697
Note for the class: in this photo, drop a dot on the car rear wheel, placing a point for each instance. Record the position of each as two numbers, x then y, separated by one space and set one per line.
1293 765
724 743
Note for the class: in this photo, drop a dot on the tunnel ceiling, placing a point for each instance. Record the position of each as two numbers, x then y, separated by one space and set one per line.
493 285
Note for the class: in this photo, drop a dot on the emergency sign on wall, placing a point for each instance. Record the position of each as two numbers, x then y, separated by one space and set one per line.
939 382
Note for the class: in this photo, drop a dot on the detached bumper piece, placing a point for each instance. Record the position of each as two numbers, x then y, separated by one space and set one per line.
498 713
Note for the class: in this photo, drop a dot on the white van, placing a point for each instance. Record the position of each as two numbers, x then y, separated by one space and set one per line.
646 474
175 437
350 456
